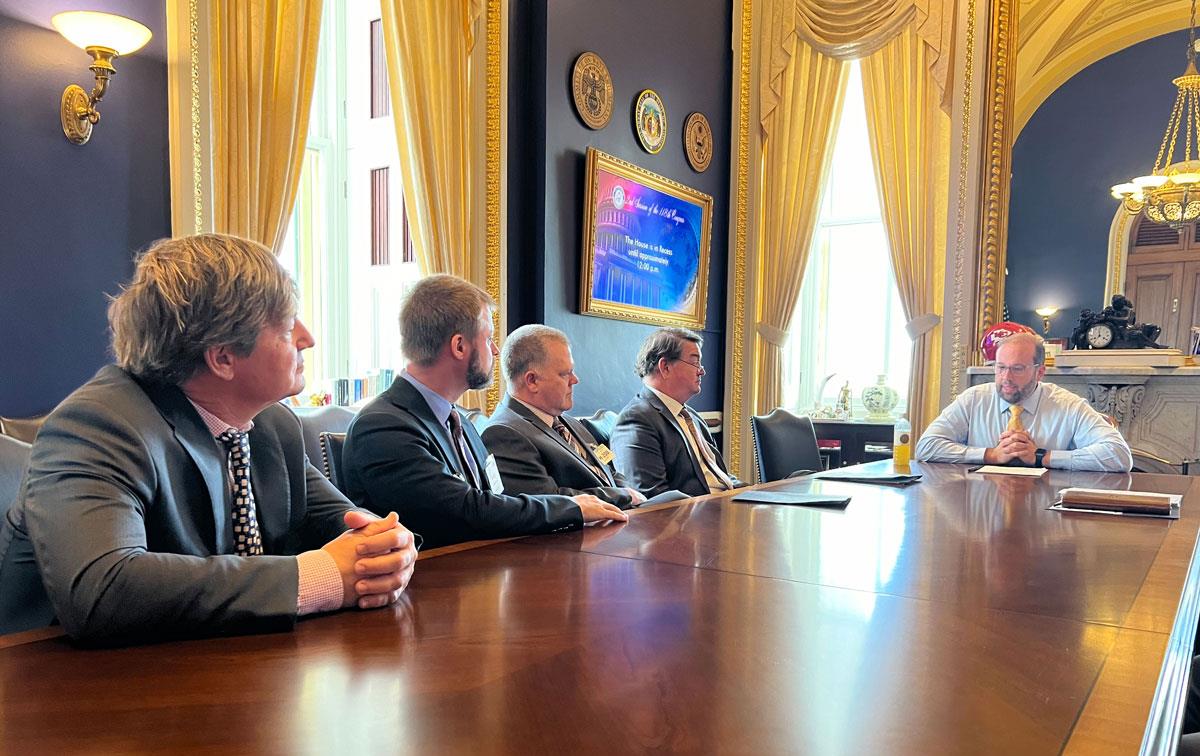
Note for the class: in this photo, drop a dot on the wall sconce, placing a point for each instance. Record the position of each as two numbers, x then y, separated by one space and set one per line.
1046 313
104 37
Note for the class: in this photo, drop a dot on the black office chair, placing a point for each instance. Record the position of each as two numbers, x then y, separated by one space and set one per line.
600 425
314 421
14 458
331 458
784 446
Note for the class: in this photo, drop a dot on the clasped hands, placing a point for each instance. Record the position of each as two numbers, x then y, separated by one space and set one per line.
1013 445
375 557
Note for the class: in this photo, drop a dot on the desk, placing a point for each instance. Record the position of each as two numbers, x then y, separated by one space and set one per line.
955 616
855 434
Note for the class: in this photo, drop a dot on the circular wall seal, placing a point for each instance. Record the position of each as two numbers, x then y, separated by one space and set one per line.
650 121
698 141
593 90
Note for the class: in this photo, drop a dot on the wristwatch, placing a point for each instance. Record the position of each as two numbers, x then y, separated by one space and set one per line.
1037 458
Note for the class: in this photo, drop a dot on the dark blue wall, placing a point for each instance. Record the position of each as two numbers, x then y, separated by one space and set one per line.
71 217
1102 127
679 48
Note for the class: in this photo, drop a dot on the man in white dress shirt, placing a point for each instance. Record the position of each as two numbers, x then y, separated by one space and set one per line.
1019 420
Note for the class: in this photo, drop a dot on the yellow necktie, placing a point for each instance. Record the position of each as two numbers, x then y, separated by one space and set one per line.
1014 418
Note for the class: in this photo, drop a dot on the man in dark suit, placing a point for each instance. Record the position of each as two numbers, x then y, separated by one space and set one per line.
661 443
170 495
538 448
410 449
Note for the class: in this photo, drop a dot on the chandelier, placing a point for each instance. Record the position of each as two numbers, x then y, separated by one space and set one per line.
1171 193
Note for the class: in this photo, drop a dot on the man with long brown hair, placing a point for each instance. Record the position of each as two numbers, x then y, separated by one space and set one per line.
170 495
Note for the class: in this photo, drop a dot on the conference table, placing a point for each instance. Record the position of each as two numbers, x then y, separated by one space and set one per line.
958 615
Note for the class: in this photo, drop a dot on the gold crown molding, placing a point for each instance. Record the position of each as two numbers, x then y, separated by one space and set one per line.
736 320
492 178
957 352
996 172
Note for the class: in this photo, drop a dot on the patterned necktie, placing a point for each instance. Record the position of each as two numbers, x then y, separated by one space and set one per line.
572 443
460 441
247 541
1014 418
707 457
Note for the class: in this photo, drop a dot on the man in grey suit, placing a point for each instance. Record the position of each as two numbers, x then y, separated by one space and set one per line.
538 448
411 449
660 442
170 495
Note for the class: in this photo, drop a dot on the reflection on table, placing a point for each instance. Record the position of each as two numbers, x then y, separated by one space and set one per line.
957 615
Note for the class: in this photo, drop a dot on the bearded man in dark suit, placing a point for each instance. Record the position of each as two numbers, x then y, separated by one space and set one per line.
412 449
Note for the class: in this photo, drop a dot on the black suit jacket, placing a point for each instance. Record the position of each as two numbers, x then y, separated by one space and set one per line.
126 511
399 457
534 459
653 453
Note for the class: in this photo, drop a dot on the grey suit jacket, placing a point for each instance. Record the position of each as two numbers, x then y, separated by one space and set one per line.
653 453
534 459
399 457
125 514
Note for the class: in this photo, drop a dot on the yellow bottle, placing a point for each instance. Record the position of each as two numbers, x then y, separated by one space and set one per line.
902 442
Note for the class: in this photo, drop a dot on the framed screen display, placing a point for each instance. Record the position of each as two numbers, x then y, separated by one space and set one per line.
645 245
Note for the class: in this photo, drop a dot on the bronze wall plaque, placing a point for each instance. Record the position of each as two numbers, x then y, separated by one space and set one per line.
593 90
698 141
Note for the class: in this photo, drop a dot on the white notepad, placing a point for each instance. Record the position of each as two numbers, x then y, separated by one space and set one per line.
1028 472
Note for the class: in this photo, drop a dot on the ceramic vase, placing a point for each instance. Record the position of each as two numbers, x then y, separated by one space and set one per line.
880 400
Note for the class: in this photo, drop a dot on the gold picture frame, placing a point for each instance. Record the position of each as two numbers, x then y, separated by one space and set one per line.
646 245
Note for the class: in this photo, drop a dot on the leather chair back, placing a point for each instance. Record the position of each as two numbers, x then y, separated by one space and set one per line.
14 458
784 444
21 428
331 458
317 420
600 425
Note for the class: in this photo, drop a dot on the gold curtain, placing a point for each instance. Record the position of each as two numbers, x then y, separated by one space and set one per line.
797 148
910 144
852 29
263 61
428 47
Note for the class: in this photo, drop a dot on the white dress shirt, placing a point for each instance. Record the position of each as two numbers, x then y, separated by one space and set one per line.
1078 437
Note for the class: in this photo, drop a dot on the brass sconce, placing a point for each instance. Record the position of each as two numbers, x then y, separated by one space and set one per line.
104 37
1046 313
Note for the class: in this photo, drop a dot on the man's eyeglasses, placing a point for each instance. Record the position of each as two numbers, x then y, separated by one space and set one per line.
697 365
1016 371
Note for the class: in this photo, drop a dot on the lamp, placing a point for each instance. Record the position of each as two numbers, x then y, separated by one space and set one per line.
1046 313
1171 193
104 36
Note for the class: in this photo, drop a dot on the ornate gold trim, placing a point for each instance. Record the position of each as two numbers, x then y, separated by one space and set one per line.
996 168
194 74
1118 241
492 176
960 227
736 320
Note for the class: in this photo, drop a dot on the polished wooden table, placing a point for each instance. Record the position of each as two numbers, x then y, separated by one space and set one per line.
955 616
854 435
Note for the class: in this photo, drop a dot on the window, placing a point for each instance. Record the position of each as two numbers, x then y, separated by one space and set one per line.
348 244
848 323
